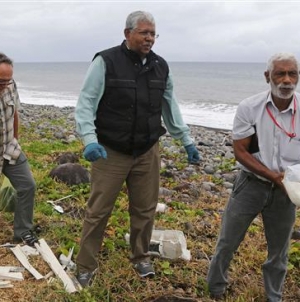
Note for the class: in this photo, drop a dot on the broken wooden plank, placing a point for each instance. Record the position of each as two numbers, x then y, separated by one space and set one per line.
64 261
11 276
54 264
5 284
24 260
29 251
10 269
7 245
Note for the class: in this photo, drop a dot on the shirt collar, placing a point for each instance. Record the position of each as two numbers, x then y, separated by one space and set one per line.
290 107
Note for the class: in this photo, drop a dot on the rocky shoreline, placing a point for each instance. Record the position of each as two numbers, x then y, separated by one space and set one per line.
214 145
207 193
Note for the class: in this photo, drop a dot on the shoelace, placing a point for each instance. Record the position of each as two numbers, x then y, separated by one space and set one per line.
145 264
29 238
85 276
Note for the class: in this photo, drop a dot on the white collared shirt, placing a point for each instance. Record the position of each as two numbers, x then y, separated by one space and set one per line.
276 149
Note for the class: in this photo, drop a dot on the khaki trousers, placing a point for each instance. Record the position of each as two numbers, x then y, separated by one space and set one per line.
141 175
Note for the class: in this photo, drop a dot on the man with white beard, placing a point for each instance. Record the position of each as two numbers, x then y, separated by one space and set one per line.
266 139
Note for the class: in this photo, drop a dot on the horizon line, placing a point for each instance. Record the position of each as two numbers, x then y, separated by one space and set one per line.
232 62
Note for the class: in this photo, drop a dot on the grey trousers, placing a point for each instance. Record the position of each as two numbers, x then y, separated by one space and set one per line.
141 175
22 180
250 197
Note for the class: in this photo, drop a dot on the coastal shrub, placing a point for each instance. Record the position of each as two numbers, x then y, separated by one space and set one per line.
227 164
294 255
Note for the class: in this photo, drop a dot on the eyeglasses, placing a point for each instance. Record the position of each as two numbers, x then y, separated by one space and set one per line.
6 82
146 33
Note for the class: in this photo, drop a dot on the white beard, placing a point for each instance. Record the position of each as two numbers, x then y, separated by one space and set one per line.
276 90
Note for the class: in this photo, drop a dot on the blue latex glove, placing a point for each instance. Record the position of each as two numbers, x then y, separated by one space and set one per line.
193 154
94 151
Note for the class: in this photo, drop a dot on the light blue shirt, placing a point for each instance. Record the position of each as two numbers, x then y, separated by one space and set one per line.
276 149
92 92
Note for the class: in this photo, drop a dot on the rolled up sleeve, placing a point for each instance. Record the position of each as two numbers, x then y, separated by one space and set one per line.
172 116
88 101
243 124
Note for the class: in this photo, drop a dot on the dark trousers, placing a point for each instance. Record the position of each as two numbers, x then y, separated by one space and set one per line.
250 197
21 179
141 175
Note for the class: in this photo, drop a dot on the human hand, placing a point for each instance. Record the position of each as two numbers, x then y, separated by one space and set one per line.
193 154
277 180
94 151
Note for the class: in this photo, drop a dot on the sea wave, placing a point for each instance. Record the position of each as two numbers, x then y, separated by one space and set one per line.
218 116
37 97
212 115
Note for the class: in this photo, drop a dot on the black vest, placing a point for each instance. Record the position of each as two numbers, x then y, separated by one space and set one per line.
128 117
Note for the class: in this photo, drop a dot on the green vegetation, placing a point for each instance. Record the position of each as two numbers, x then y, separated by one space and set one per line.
116 280
227 164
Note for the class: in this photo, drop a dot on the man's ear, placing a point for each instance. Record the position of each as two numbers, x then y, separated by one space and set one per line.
267 76
126 32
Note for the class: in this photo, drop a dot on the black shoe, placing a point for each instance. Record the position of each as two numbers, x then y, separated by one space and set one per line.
85 278
37 229
29 238
144 269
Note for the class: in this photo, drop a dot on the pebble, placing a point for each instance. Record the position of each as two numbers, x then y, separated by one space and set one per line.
214 145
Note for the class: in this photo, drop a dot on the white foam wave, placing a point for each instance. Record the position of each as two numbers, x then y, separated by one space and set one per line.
218 116
194 113
47 98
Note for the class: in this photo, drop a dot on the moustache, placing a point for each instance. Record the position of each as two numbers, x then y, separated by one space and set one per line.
291 86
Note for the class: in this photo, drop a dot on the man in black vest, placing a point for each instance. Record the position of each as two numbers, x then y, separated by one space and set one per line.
128 88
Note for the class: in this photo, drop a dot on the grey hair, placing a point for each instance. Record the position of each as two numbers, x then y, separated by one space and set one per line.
138 16
5 59
281 56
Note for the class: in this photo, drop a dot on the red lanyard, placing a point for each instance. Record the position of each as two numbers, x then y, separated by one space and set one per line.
289 134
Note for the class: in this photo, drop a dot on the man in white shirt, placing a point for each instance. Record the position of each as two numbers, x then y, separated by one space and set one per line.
266 139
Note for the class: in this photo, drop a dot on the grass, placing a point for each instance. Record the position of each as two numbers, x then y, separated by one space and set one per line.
198 216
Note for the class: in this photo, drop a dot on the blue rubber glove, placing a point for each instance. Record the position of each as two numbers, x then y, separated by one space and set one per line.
94 151
193 154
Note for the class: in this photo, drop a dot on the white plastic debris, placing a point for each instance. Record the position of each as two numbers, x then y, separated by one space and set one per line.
57 207
66 261
170 244
291 182
69 264
161 207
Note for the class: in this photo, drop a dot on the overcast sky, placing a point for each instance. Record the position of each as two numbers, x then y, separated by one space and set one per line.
229 31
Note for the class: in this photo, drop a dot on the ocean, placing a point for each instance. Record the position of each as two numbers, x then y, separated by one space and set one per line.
208 93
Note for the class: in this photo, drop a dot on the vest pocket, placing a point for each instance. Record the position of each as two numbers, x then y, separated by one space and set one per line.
121 83
157 84
156 92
